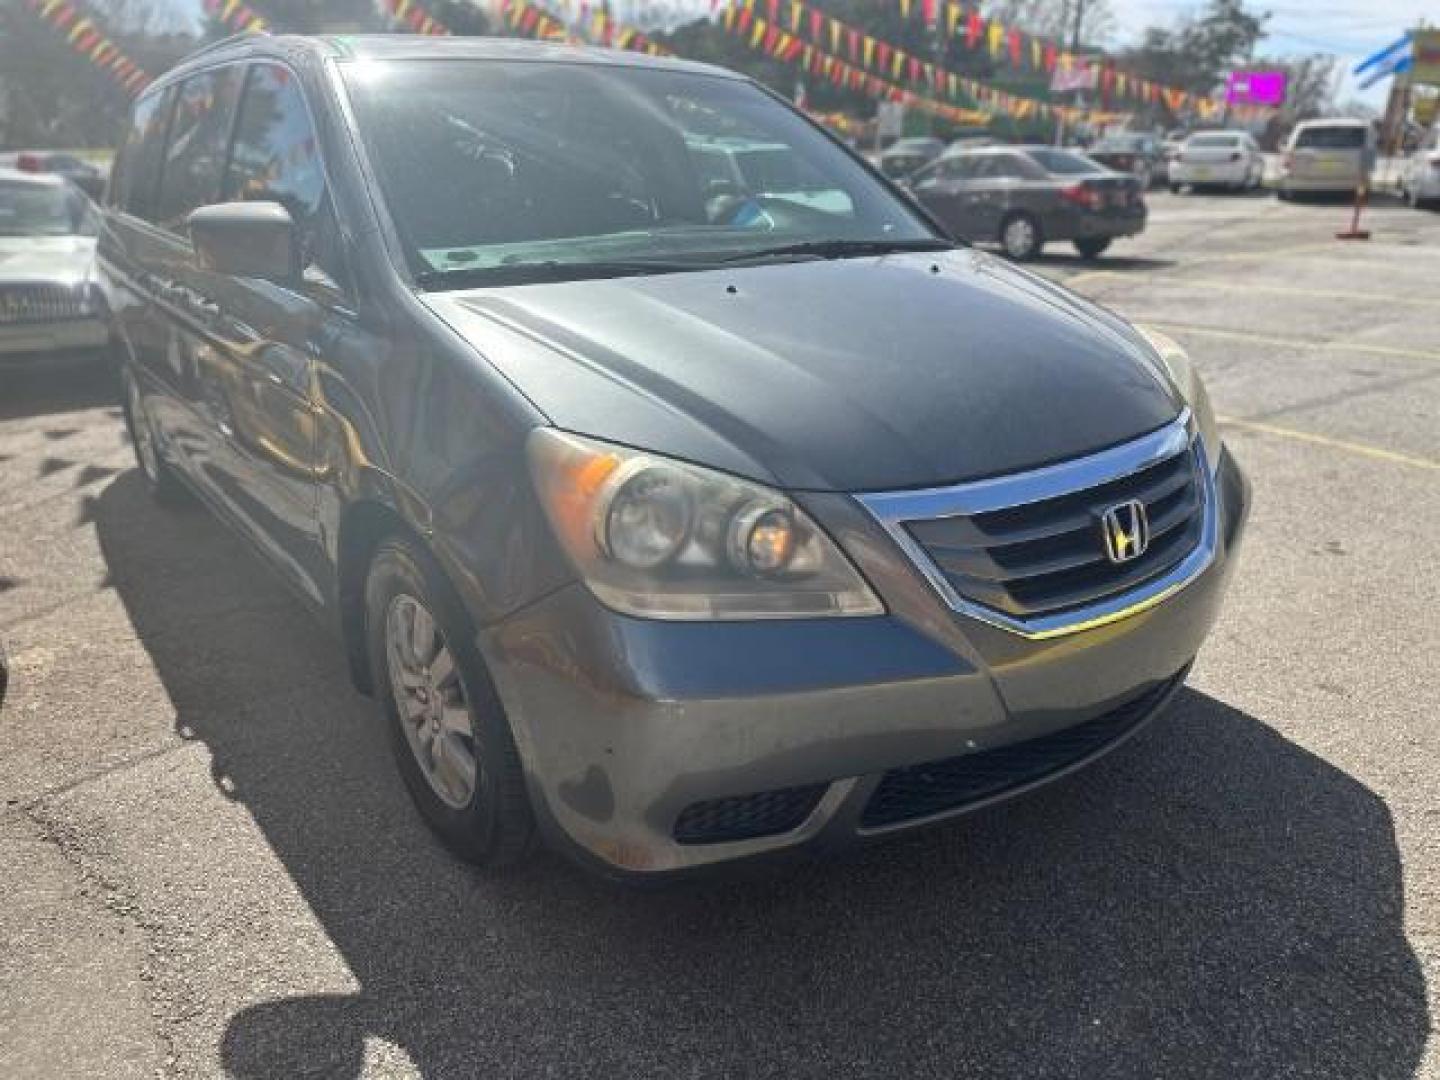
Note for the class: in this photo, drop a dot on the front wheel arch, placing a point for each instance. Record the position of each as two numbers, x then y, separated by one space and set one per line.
364 526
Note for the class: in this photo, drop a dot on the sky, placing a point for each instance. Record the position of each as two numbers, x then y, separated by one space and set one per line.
1352 29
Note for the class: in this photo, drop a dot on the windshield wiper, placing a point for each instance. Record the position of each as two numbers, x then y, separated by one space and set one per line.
529 273
841 249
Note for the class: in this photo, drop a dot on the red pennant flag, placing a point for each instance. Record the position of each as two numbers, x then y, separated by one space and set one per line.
1015 47
974 27
773 8
817 25
1050 57
853 37
882 54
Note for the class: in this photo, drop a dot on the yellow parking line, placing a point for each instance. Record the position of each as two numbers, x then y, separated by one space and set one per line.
1274 290
1292 343
1334 444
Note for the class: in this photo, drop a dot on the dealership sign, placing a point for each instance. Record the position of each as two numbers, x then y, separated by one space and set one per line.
1425 62
1255 88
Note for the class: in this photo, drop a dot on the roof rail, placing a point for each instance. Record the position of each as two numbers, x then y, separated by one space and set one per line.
230 40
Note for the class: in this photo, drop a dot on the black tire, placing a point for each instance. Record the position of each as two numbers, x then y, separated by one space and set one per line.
1175 189
164 485
495 827
1019 242
1093 248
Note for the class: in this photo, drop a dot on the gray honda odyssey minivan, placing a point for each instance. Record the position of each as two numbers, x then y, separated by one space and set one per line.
677 488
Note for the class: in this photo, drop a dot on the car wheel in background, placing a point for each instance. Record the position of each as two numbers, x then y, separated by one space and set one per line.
448 731
165 486
1020 236
1094 247
1174 188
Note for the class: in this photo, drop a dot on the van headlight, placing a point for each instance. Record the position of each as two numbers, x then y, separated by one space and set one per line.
664 539
1177 365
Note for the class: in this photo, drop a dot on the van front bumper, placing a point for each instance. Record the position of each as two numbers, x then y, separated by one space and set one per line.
654 747
34 340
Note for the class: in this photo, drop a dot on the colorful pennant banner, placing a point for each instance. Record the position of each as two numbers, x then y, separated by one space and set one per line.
1024 51
596 25
413 15
237 15
775 41
85 37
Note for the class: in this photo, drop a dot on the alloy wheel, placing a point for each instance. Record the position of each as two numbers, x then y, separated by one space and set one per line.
430 700
1019 237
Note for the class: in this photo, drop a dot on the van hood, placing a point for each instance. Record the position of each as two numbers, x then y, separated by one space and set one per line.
869 374
62 260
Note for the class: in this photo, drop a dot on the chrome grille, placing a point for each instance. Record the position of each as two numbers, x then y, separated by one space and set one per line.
23 303
1049 556
1026 552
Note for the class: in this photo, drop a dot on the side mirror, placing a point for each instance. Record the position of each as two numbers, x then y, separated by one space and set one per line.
246 239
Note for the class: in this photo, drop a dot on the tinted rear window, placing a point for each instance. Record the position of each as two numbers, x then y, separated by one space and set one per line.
1214 142
1063 163
1331 138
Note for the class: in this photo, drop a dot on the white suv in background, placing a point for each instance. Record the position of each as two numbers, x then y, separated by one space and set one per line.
1332 156
1420 180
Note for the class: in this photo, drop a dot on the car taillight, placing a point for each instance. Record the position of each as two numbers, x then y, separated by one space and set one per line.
29 163
1082 196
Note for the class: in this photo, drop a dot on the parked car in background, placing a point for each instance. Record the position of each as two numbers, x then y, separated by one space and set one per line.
1023 197
1420 178
1228 159
971 142
84 175
675 531
1134 152
1326 157
49 302
904 156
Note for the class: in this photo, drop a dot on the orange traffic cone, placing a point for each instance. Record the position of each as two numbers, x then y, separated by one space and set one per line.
1362 192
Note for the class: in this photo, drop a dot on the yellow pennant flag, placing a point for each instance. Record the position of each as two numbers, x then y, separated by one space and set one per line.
994 36
834 35
952 18
757 33
868 48
897 64
905 9
795 13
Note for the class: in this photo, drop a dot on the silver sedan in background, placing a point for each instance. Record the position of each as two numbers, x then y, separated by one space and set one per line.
49 303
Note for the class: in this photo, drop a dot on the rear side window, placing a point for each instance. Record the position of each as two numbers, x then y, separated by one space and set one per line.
1213 142
275 155
1064 163
137 167
199 138
1330 138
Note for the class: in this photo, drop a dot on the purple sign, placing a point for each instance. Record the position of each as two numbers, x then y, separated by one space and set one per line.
1255 88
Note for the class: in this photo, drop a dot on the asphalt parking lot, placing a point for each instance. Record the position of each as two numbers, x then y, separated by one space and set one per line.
212 868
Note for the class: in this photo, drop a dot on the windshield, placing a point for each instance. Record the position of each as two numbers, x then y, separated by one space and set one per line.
1063 163
498 166
29 209
1122 142
1331 138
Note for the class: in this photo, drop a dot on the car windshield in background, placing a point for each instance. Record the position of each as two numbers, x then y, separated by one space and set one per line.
1331 138
1128 143
1064 163
497 171
28 209
1213 142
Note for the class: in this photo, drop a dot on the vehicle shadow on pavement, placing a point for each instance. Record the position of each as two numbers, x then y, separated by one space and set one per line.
1210 900
62 385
